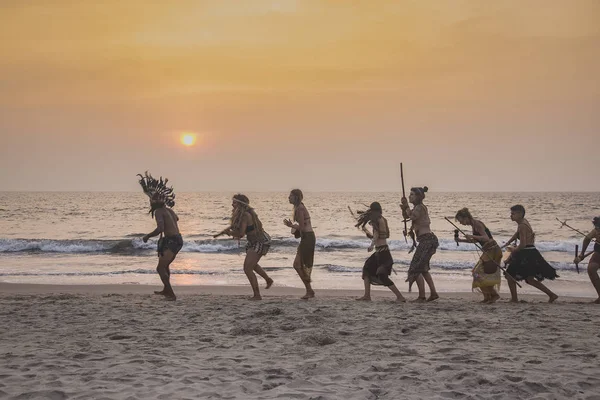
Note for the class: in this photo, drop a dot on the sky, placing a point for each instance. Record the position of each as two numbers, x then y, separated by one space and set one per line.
469 95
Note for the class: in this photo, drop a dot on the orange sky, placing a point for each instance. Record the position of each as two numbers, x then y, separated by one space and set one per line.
322 95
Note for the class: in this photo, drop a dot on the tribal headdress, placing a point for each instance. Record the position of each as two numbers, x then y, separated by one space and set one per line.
157 188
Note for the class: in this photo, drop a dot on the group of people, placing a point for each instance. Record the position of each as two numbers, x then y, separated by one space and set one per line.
524 263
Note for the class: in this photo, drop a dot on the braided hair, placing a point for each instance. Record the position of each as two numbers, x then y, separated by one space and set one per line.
369 216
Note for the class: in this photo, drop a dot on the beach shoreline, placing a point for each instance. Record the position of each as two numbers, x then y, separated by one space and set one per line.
284 292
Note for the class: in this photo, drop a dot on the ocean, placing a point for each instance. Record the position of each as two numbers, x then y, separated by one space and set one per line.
95 238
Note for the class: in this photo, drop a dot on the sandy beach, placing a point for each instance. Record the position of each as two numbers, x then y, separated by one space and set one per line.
120 342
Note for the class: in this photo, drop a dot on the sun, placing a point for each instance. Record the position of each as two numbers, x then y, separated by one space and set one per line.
188 139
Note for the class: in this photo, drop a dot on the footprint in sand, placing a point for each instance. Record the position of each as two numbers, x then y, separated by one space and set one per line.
513 378
536 362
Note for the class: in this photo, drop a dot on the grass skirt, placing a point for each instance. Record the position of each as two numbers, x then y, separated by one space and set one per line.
492 256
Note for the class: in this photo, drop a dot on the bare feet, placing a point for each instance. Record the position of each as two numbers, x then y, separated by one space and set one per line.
597 301
485 300
494 298
160 292
419 300
308 295
514 301
269 283
400 299
170 297
433 297
364 298
257 297
552 298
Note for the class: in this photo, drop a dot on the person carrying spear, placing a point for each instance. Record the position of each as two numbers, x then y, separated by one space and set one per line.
594 263
487 266
407 232
427 243
486 273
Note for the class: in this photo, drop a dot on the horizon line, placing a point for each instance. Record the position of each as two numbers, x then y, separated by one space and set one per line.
306 191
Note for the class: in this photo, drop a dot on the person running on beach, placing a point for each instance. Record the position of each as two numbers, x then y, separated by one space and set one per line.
594 263
486 274
303 262
245 222
428 243
525 262
378 267
162 199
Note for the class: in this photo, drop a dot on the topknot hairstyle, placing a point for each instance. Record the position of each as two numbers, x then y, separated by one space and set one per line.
420 190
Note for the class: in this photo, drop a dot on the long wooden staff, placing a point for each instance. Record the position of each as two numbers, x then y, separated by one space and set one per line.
483 251
405 232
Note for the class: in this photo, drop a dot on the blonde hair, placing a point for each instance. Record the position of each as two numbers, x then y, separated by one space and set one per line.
237 214
299 197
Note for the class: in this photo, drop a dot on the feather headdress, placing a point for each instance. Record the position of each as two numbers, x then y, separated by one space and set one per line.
157 187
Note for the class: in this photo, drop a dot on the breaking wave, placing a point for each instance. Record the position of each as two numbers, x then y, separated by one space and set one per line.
136 245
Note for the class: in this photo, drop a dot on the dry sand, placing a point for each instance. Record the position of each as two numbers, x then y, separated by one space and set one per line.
119 342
